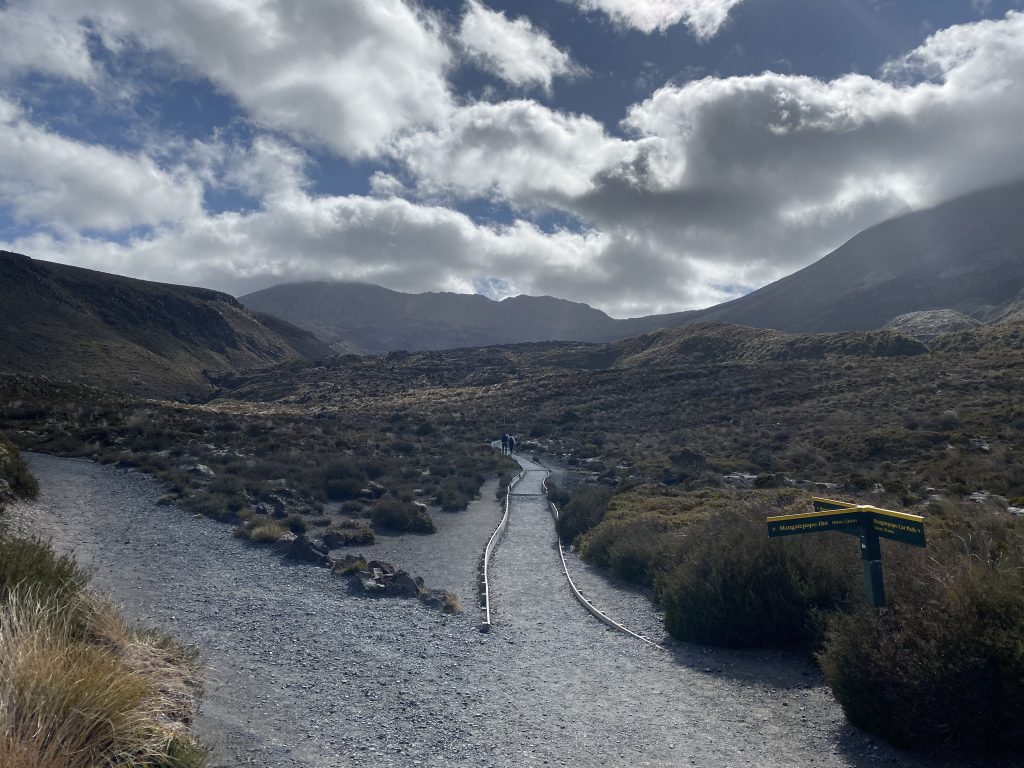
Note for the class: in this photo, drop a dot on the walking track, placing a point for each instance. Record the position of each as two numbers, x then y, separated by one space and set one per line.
303 674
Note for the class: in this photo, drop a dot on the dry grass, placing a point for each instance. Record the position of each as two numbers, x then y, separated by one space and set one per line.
64 703
452 604
267 533
106 695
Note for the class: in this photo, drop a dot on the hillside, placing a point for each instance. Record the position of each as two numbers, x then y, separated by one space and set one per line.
711 344
132 335
965 255
377 320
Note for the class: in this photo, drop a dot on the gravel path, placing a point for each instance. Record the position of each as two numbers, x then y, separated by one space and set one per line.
303 674
449 558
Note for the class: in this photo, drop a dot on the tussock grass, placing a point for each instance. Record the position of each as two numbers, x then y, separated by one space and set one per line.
266 533
452 604
79 687
68 700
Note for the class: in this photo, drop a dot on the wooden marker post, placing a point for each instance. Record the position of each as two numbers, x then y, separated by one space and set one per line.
869 523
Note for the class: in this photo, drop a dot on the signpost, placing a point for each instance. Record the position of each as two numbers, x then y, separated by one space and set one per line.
867 522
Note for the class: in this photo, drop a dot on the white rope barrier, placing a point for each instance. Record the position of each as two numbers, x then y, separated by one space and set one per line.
591 608
485 605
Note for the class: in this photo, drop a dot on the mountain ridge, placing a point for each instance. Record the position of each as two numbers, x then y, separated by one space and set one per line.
133 335
965 255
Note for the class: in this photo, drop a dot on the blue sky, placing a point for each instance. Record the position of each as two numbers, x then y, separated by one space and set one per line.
638 155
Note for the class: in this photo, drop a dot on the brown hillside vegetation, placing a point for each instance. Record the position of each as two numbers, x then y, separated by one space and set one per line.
694 436
131 335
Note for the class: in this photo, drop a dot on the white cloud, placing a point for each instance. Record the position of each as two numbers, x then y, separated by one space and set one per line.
347 74
519 150
52 181
34 41
720 184
738 181
704 17
514 50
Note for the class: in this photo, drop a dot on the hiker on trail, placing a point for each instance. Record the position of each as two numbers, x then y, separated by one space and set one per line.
511 445
504 444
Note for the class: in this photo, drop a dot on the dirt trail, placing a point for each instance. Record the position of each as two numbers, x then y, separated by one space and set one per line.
303 674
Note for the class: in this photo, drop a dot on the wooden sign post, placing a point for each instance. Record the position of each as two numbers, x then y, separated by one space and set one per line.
869 523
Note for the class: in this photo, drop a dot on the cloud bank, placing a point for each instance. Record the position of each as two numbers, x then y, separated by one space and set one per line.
706 189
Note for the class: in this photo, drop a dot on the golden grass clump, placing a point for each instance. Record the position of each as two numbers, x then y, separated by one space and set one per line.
74 697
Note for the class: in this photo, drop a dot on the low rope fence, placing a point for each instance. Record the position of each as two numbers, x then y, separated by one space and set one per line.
485 595
596 612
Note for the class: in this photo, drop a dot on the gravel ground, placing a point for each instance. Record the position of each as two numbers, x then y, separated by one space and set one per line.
302 674
449 558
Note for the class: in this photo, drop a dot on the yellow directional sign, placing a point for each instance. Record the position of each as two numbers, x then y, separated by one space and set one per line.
863 520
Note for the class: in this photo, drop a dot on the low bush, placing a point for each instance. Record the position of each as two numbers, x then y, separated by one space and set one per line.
14 473
396 515
735 587
33 563
296 523
343 489
349 535
634 549
556 495
943 666
585 510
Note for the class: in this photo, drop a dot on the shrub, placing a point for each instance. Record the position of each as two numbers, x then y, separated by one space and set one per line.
630 548
296 523
343 489
735 587
396 515
586 509
349 533
556 495
33 563
943 666
14 471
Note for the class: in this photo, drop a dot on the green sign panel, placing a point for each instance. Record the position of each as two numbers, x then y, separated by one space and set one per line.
815 522
908 529
867 522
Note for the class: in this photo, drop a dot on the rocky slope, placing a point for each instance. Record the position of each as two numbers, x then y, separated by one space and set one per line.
132 335
965 255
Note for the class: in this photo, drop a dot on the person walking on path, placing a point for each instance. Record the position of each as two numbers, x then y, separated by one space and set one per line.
504 444
511 445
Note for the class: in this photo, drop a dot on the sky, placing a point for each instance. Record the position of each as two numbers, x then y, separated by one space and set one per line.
641 156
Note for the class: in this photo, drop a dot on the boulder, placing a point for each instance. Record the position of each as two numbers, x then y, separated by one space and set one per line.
386 569
433 598
401 585
284 544
303 549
